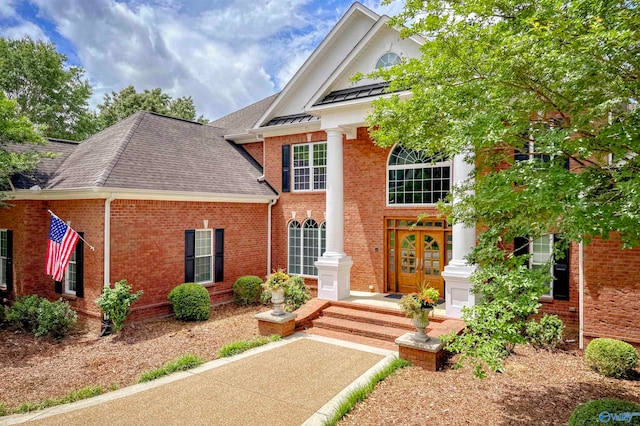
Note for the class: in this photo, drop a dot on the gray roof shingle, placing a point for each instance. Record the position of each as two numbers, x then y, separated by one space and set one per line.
240 121
158 153
47 166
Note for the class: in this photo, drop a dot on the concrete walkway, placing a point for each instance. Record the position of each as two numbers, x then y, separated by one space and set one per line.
299 380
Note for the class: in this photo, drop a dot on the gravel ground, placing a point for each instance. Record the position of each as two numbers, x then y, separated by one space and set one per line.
537 387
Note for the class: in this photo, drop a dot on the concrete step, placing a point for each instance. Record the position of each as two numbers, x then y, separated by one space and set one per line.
383 319
354 338
375 331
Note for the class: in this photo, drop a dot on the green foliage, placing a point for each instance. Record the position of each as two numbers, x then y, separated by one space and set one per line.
185 362
55 319
115 302
120 105
494 75
73 396
296 294
190 302
545 334
4 409
42 317
611 357
240 346
361 393
246 290
50 92
276 281
606 410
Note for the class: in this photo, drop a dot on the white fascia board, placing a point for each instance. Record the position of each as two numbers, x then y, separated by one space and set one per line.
287 129
136 194
337 29
349 113
347 61
242 138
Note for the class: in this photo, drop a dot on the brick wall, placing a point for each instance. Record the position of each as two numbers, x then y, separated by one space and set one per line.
255 150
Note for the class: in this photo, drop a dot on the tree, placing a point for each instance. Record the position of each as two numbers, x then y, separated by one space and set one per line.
120 105
554 81
47 90
15 128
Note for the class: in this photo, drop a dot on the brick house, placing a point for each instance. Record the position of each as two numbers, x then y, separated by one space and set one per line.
293 182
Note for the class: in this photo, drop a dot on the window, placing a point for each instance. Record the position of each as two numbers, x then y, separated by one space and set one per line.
388 60
310 167
200 264
540 252
73 281
307 242
414 178
6 248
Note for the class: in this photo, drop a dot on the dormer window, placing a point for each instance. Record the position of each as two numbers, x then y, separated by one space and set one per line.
388 60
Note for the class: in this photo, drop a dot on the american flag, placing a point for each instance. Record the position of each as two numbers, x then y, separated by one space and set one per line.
62 241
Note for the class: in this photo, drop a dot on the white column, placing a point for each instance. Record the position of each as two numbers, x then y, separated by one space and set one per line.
456 274
334 265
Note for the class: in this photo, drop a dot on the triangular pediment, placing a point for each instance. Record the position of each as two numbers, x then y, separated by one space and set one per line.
355 44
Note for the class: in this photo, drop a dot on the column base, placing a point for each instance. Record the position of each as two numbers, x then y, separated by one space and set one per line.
458 292
269 324
334 282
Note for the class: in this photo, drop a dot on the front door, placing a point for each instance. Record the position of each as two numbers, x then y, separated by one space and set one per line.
421 258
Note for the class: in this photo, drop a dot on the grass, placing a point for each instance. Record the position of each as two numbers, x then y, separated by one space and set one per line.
361 393
73 396
185 362
240 346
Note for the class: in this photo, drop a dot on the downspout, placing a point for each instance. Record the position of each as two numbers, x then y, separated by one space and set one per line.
271 204
107 240
581 295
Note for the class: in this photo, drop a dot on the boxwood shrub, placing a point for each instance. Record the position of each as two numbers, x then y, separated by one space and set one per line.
190 302
600 411
545 334
42 317
247 290
611 357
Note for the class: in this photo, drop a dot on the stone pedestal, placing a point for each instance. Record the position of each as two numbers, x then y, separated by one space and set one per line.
429 355
334 277
268 324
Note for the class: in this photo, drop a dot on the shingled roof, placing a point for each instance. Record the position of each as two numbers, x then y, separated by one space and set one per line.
47 166
148 151
240 121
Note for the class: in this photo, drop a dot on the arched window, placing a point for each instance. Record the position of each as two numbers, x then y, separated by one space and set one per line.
415 178
307 242
389 59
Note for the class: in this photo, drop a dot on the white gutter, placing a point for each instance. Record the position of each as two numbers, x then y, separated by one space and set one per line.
271 204
581 295
107 240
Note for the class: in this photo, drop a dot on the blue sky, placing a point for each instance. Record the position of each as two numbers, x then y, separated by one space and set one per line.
226 54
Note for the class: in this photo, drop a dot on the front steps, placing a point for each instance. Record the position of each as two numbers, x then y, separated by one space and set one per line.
365 324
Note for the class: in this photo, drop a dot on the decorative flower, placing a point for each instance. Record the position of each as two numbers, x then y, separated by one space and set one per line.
415 303
276 281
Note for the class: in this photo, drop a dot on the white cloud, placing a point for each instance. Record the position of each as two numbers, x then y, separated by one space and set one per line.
24 29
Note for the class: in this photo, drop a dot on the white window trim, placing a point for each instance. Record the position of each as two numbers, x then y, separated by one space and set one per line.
300 254
412 167
310 167
67 284
549 294
210 255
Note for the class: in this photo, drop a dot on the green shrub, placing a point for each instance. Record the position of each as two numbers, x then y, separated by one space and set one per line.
183 363
296 294
604 411
545 334
190 302
4 311
611 357
246 290
240 346
55 319
115 303
42 317
24 312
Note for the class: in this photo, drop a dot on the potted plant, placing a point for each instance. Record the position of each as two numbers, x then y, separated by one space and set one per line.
417 306
276 283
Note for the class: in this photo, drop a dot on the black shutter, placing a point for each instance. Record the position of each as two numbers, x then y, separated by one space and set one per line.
520 246
80 266
561 275
57 286
286 168
189 255
522 153
219 255
9 261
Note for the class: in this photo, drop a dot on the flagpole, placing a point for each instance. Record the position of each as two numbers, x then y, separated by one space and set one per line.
85 241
